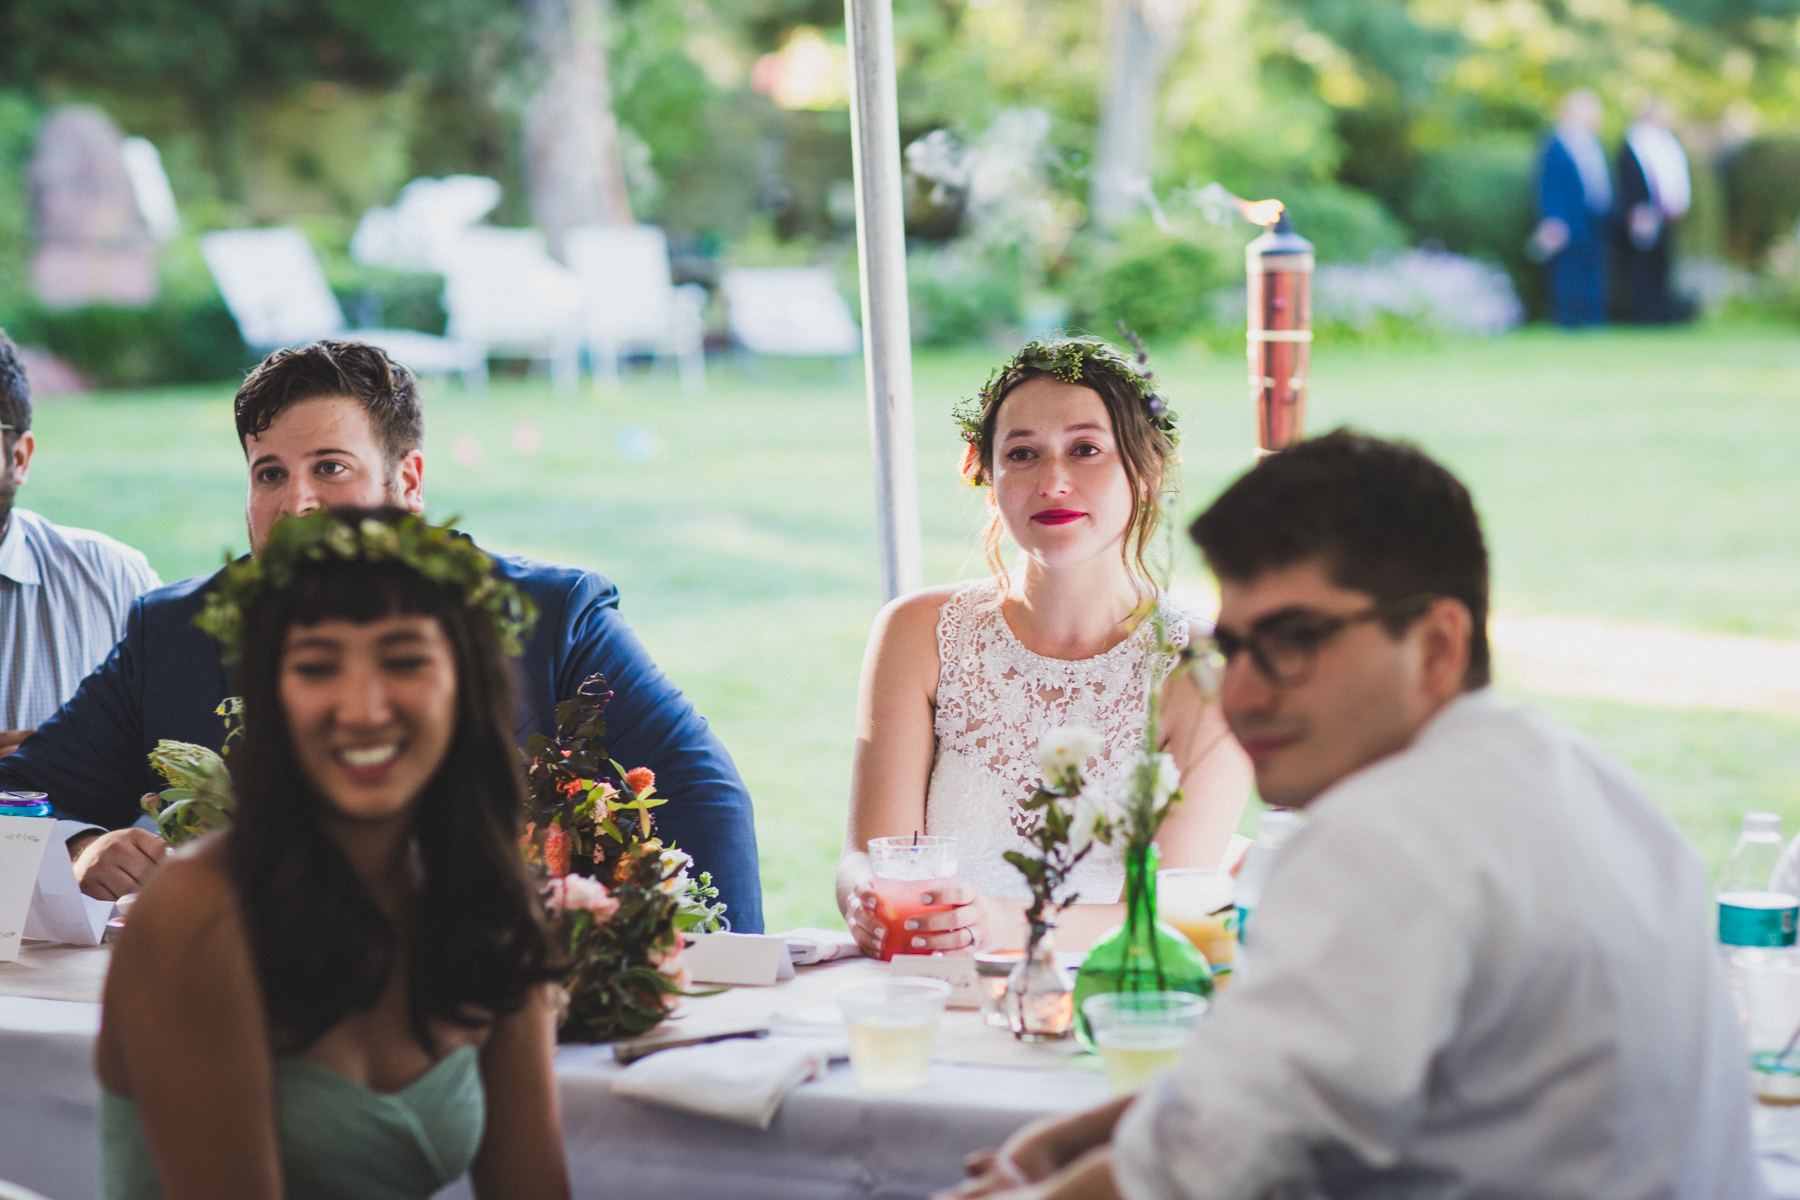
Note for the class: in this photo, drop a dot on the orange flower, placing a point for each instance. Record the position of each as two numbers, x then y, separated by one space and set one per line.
571 787
971 464
640 779
556 850
527 843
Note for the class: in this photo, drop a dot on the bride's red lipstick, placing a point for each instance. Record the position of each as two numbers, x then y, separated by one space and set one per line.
1057 516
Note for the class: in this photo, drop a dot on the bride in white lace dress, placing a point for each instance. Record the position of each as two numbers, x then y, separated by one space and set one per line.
961 681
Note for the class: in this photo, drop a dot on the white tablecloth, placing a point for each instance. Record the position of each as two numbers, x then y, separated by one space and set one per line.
830 1140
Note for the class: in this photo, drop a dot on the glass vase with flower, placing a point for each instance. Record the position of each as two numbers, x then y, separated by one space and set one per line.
1039 1001
1145 954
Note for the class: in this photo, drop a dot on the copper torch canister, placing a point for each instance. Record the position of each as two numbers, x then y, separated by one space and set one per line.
1280 267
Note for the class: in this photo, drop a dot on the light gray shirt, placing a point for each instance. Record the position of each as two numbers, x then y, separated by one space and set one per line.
1484 967
64 597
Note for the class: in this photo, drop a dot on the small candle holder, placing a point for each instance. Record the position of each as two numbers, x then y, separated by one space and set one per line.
1279 267
1040 996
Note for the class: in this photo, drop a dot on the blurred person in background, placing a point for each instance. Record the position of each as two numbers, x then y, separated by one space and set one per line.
335 425
64 592
1654 193
1575 203
347 993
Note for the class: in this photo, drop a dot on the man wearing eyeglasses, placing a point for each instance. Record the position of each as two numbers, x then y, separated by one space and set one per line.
64 592
1484 966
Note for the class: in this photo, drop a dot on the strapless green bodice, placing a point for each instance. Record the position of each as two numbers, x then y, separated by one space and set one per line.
339 1140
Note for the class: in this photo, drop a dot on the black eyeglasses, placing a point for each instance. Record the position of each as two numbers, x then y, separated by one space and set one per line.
1285 647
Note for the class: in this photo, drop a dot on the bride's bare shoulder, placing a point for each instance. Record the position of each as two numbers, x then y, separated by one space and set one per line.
916 613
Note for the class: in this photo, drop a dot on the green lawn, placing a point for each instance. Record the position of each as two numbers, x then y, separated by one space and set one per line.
1629 476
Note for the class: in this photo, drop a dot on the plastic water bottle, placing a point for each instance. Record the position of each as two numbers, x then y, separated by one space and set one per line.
1276 826
1751 913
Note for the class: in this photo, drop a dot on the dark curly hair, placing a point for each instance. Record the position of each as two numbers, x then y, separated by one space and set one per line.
322 948
387 391
1382 517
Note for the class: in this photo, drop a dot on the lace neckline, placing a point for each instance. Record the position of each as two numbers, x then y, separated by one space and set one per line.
987 595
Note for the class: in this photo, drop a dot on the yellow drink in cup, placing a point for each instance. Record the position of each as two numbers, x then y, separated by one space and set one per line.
1132 1056
892 1025
1140 1034
1197 901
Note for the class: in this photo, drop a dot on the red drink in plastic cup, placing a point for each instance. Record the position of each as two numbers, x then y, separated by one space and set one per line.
906 868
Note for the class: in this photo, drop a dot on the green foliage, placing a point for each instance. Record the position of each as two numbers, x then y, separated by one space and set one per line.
199 798
962 295
380 298
1476 198
178 339
18 120
1152 281
1344 225
1762 183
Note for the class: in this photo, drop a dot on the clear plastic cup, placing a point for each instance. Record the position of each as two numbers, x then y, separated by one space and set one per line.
1198 901
1771 1009
1140 1034
892 1024
905 869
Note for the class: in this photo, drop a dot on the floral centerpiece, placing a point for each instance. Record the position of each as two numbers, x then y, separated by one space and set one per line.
619 900
198 798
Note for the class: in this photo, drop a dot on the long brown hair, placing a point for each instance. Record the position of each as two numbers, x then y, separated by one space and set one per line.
1146 450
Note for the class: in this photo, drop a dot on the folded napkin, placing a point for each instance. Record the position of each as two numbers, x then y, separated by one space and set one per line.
743 1082
809 946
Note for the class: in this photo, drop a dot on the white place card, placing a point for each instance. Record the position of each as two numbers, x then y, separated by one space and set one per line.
59 912
22 844
738 959
959 973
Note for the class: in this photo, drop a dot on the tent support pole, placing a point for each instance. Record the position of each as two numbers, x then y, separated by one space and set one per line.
881 250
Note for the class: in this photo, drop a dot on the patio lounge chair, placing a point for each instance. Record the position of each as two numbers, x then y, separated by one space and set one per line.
277 294
630 304
506 294
790 311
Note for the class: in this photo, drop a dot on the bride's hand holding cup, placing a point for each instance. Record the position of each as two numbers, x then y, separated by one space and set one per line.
914 904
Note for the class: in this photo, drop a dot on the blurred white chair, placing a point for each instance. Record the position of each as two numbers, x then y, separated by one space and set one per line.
14 1191
630 304
277 294
506 294
789 311
425 221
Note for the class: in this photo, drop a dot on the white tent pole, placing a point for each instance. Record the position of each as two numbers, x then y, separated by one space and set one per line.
881 249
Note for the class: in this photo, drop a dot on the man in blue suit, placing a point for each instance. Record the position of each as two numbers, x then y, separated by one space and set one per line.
337 425
1575 198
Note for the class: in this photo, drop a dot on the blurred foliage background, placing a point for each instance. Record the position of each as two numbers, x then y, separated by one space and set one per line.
1384 124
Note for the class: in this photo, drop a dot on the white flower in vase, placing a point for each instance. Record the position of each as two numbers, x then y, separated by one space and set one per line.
1066 749
1167 782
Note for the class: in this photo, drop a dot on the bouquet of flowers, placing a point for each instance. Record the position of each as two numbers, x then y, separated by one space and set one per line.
619 899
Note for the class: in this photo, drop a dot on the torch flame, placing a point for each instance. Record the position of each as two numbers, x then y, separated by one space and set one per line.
1261 212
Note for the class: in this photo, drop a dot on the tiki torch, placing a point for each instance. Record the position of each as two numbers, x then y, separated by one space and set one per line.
1279 267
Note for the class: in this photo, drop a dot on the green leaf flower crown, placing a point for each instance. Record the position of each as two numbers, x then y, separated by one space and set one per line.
1066 358
437 552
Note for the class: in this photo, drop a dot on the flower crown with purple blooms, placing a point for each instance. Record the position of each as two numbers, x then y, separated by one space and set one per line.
1066 358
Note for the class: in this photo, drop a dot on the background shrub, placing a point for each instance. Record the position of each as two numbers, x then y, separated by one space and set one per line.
1476 198
179 339
1156 282
1762 195
959 294
1343 224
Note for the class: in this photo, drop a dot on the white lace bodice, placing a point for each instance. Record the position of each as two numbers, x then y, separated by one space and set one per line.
995 699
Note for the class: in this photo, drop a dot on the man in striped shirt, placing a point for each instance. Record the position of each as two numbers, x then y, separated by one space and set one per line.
64 593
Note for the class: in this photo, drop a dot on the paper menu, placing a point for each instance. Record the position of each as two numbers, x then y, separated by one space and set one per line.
23 841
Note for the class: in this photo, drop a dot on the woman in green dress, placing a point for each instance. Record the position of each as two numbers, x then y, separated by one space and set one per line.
346 993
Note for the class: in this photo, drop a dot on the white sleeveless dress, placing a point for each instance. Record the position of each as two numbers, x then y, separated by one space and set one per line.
995 700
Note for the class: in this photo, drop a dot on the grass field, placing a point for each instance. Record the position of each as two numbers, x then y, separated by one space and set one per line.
1641 477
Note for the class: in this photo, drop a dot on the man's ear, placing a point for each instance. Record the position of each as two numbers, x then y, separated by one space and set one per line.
1444 630
409 478
24 446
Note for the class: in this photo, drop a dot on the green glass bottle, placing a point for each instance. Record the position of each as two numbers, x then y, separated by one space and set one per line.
1143 954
